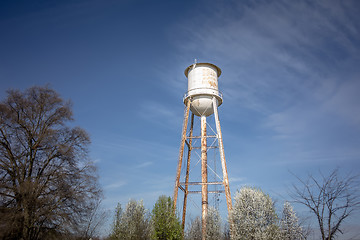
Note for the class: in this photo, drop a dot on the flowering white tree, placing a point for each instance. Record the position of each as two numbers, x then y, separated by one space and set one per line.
213 227
289 224
254 216
194 230
133 223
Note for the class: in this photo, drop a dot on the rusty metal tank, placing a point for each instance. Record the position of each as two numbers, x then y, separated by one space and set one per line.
202 87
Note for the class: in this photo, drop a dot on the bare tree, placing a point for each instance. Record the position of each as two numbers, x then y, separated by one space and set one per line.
94 222
47 185
331 199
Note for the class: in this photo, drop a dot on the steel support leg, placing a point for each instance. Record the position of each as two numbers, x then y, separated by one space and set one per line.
187 171
222 157
204 176
181 153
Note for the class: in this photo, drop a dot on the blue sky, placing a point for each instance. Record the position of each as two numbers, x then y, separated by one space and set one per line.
290 80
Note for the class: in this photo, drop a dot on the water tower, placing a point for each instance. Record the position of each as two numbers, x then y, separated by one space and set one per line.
203 99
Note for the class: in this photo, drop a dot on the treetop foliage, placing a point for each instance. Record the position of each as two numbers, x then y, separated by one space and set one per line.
133 223
253 215
166 225
289 224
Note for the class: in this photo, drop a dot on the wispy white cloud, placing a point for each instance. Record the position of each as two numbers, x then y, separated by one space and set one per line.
117 143
115 185
337 106
144 164
294 64
96 161
161 112
345 102
236 179
273 51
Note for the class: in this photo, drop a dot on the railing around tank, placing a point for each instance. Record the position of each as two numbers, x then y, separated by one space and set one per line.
214 92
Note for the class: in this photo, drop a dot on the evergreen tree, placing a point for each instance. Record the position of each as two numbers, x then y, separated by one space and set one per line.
166 225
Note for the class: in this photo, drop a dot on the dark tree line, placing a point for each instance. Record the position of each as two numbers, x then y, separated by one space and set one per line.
137 223
48 188
252 220
331 199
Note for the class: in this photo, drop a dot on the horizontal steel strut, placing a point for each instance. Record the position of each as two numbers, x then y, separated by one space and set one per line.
201 183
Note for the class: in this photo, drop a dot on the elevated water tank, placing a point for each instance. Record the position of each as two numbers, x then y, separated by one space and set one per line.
202 87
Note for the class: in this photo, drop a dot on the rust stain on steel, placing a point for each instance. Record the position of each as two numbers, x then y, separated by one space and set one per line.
209 82
209 78
187 172
181 152
213 84
204 187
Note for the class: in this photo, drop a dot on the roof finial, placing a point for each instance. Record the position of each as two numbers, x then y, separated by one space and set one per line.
194 65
